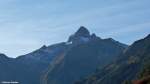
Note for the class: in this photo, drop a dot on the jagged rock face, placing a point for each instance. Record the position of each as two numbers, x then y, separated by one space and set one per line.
82 36
82 32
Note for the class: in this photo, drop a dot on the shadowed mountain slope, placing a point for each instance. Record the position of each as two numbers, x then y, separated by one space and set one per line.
126 68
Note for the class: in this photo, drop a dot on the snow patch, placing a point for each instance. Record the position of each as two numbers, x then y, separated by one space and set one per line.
68 43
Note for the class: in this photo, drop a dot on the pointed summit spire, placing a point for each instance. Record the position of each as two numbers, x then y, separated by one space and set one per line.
43 47
81 35
82 31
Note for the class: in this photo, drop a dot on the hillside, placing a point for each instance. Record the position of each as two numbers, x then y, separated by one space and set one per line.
132 65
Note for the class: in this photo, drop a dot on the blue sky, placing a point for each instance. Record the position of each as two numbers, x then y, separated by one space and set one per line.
26 25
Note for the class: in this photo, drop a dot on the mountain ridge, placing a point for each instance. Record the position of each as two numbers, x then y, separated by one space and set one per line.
33 65
125 68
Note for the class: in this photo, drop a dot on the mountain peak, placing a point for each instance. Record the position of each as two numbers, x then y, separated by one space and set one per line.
3 57
81 36
82 31
148 36
43 47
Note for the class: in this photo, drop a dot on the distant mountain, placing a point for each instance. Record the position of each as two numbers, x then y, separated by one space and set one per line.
85 53
132 64
61 63
27 69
